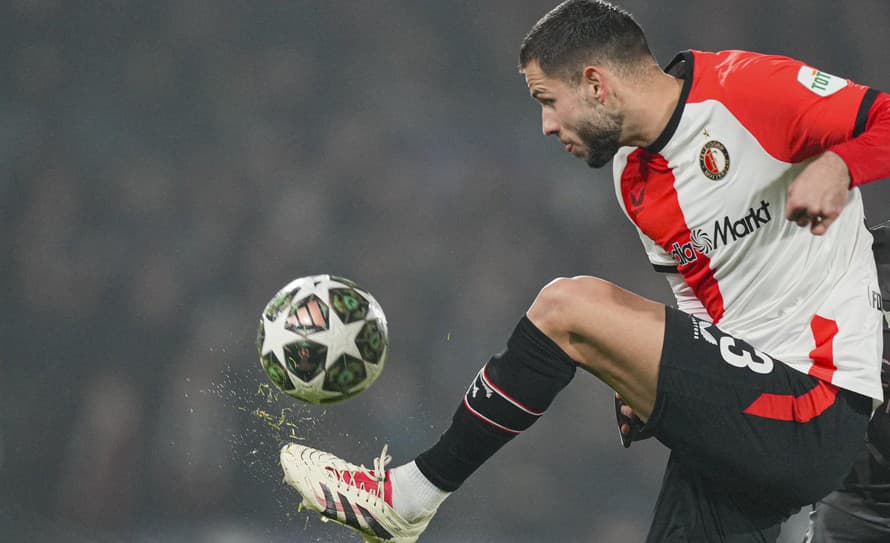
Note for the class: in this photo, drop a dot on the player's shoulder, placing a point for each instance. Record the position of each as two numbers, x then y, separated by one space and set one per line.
737 60
736 73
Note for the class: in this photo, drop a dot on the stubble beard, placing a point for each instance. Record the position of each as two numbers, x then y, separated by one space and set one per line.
602 141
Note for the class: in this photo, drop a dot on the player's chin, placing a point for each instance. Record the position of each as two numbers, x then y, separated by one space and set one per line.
598 160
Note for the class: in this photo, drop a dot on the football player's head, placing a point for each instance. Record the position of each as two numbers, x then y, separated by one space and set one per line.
580 33
575 60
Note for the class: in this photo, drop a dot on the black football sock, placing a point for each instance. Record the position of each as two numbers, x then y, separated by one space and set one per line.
507 396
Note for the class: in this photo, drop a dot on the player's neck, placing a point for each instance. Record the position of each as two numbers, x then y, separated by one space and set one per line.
655 99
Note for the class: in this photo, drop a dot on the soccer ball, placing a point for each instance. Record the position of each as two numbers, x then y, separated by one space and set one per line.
322 339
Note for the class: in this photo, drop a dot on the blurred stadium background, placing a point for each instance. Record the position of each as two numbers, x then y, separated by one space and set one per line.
168 165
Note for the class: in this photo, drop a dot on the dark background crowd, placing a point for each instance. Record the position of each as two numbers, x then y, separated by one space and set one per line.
168 165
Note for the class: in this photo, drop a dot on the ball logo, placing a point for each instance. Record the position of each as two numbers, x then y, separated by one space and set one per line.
714 160
303 354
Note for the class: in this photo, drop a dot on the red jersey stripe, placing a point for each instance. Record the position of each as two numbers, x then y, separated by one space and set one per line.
651 201
806 407
824 331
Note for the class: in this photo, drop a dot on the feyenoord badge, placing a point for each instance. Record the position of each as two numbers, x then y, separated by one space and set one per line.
714 160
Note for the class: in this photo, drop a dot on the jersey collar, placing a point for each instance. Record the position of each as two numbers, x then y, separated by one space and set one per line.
681 66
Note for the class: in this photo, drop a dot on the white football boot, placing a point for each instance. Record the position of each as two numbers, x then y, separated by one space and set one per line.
354 496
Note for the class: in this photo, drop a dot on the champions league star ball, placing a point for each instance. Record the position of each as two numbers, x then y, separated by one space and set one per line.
322 339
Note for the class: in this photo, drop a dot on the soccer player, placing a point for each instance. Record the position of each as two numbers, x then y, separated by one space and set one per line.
761 382
860 510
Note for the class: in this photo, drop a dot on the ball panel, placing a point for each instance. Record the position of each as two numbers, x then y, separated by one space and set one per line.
371 342
305 359
281 300
349 305
276 373
346 373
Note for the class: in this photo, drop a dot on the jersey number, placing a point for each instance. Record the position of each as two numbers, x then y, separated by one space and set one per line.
742 355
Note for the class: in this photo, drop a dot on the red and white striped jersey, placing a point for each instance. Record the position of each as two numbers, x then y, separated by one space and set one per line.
708 200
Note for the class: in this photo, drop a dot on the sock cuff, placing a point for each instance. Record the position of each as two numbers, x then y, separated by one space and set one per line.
433 475
548 357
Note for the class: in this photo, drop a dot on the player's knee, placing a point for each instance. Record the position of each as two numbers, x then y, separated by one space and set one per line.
564 300
546 312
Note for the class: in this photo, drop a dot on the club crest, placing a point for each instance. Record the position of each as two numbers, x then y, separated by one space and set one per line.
714 160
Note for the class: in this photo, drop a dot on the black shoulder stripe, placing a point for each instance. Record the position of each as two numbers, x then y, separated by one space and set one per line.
660 268
864 108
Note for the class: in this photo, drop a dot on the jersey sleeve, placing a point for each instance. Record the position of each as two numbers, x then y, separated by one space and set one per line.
864 154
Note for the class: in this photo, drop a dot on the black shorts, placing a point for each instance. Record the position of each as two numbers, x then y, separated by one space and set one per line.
752 440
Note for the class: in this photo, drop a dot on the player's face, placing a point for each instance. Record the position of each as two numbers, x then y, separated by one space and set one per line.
571 113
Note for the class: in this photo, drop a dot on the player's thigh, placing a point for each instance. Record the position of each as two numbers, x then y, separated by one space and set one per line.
613 333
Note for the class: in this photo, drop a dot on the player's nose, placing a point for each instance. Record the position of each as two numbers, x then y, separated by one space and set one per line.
548 123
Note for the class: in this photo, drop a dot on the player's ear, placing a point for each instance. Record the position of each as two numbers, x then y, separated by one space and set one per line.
596 81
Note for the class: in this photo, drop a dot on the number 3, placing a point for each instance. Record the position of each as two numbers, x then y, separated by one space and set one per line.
744 355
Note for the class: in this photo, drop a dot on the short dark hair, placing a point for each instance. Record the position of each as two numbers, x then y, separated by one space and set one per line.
584 31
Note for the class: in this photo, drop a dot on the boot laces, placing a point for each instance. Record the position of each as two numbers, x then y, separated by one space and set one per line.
348 475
